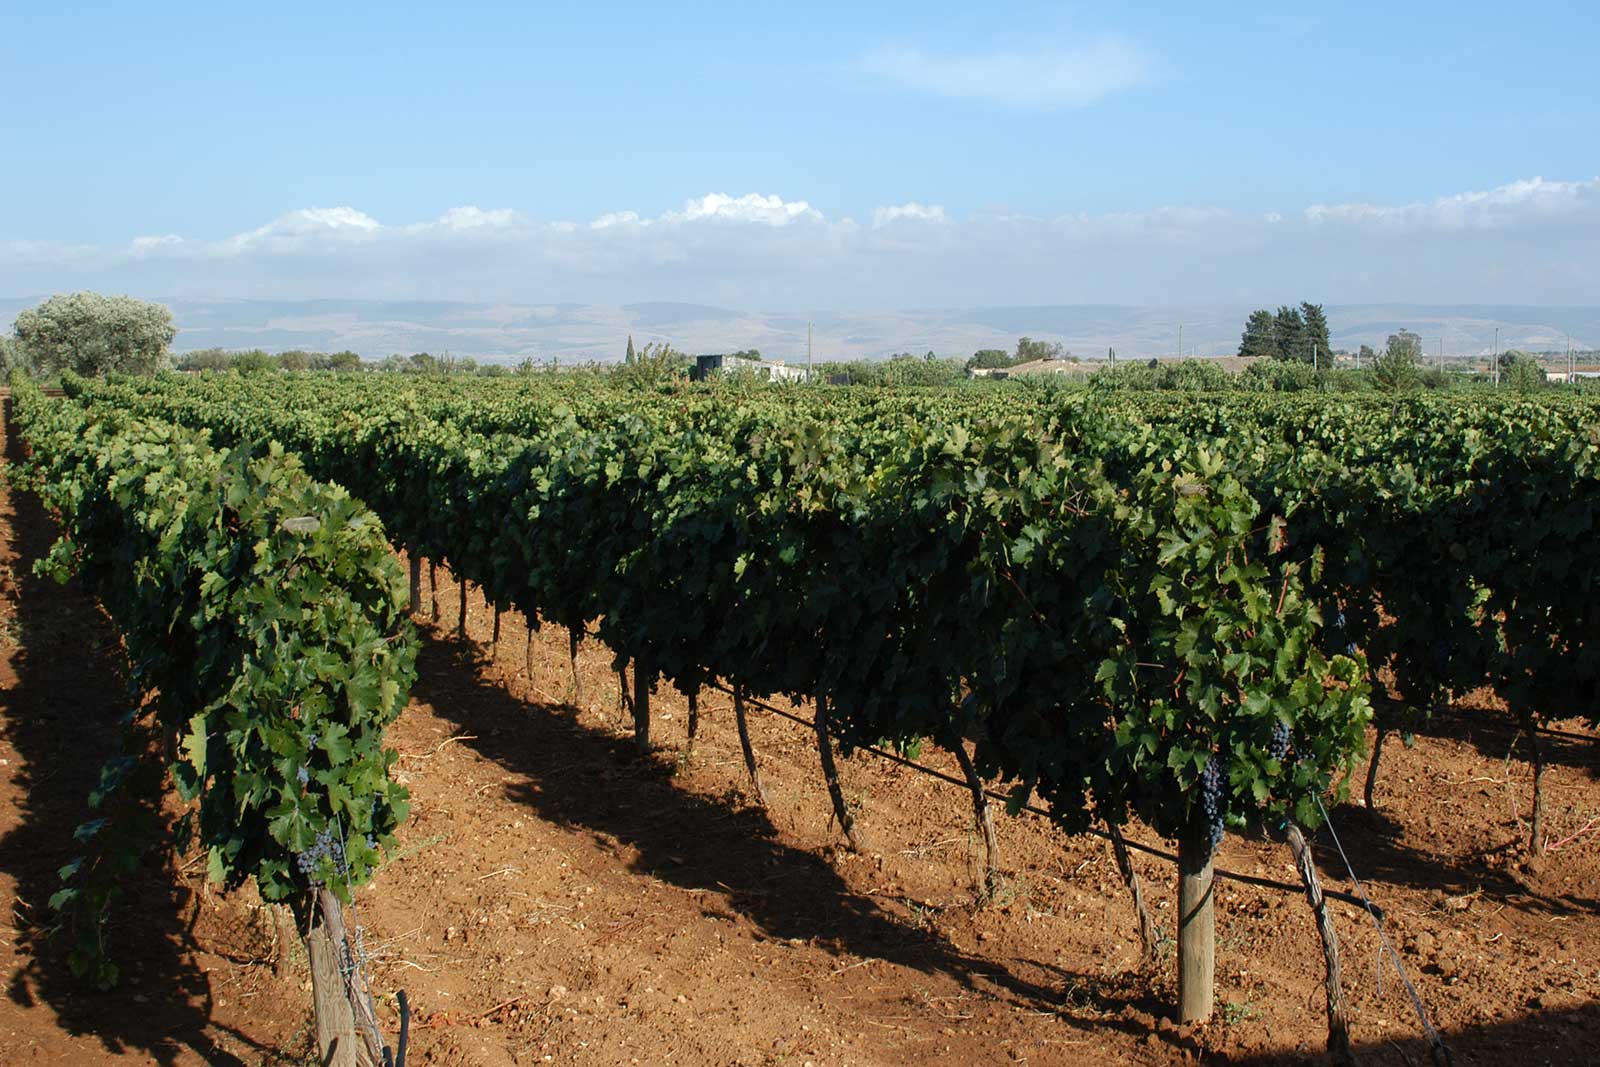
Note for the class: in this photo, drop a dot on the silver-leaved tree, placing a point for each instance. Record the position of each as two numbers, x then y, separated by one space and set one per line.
92 335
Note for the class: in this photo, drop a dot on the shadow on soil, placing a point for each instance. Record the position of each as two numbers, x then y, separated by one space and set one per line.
1373 842
1544 1037
1497 735
592 780
61 715
1373 838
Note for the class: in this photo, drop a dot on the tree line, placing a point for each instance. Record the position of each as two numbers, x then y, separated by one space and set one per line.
1297 334
91 334
1028 351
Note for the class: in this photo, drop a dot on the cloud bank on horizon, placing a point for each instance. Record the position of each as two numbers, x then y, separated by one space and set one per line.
1529 241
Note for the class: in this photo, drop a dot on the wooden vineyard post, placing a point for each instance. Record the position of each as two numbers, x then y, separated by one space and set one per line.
527 653
641 707
461 616
624 693
830 773
983 818
347 1031
415 567
433 590
284 935
1196 924
1338 1026
744 744
1536 832
1372 769
573 637
1130 878
335 1022
1381 721
494 641
694 722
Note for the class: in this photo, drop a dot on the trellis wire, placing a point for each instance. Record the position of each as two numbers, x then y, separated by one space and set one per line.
1033 809
1439 1051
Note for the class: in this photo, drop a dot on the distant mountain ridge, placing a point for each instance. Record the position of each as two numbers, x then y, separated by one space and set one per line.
576 332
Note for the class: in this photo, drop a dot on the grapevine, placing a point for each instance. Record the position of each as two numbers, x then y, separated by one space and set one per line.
1104 592
266 611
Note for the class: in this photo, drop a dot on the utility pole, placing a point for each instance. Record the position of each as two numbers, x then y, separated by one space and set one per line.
1441 355
811 363
1180 340
1496 356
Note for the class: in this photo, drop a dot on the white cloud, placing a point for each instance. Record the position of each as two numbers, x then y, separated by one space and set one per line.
1529 241
1514 204
717 207
145 244
614 218
333 218
1060 77
474 218
752 207
309 222
913 211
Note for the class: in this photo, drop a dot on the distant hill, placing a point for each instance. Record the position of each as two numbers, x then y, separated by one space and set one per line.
573 332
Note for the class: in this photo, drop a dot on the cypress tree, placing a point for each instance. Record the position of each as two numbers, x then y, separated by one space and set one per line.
1259 336
1316 332
1289 335
630 357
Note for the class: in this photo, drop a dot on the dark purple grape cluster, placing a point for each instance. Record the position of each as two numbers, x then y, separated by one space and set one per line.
327 846
1339 624
1280 741
1212 806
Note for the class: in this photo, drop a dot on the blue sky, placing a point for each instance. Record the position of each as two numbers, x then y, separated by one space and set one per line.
145 148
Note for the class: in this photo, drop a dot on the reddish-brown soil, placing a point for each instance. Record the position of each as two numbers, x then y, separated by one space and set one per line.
560 899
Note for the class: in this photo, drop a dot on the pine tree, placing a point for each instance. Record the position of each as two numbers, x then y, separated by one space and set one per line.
629 359
1259 338
1406 345
1397 368
1289 335
1316 333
